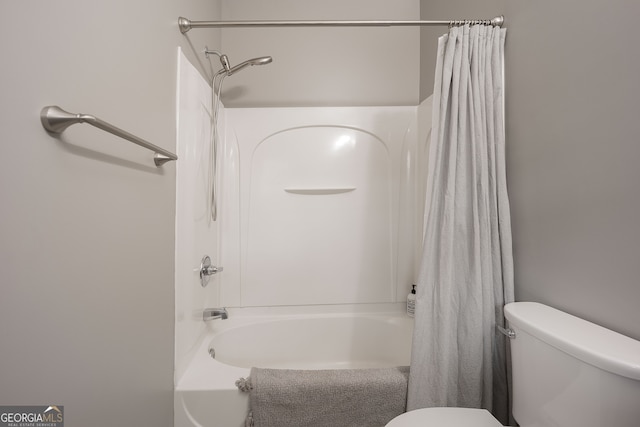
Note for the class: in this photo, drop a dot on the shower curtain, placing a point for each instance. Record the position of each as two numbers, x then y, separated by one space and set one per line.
466 271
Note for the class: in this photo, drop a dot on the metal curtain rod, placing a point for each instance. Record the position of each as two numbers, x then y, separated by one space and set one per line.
187 24
56 120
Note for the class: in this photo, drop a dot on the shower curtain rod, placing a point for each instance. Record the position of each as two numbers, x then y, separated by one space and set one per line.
187 24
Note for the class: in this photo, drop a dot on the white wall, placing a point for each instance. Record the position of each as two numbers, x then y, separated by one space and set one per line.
87 220
323 66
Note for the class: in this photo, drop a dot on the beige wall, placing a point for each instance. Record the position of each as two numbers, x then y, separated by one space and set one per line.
87 220
572 101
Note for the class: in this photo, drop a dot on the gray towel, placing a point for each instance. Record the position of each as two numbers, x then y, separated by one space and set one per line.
326 398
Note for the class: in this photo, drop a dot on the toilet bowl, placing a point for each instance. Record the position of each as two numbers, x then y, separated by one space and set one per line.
445 417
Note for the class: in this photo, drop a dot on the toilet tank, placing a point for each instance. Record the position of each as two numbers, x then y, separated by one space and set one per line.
568 372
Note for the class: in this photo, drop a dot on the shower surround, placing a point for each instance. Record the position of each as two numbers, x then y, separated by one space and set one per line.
320 211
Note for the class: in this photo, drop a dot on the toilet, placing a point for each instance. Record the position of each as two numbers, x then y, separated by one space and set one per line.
445 417
567 372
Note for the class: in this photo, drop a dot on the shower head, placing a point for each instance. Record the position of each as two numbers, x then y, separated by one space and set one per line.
255 61
224 60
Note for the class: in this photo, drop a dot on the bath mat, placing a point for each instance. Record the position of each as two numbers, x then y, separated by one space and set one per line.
325 398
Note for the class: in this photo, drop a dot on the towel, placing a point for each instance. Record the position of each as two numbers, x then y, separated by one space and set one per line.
325 398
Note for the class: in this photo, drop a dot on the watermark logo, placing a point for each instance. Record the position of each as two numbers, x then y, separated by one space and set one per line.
32 416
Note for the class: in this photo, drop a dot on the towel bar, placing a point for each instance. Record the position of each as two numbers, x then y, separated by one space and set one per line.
56 120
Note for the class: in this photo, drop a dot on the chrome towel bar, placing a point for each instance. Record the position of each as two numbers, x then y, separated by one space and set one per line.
56 120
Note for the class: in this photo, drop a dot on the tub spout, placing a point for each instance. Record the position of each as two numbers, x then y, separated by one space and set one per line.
215 313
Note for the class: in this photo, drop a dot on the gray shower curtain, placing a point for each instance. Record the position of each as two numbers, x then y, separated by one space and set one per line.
466 272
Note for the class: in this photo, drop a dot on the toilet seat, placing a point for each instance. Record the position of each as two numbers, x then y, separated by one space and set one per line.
445 417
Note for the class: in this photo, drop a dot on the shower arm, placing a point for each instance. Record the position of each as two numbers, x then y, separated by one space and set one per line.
224 60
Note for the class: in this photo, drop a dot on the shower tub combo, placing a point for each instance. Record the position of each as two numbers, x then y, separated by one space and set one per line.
284 311
319 225
206 394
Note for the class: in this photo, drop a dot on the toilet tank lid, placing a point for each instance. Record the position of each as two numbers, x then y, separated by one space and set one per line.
591 343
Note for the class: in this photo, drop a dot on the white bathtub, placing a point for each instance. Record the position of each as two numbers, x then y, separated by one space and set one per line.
206 394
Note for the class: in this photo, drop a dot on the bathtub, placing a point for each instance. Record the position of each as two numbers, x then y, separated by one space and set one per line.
289 338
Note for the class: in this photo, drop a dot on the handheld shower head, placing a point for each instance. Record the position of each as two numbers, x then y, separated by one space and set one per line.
225 62
228 69
255 61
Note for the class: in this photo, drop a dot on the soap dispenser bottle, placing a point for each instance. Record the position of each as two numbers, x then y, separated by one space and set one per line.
411 301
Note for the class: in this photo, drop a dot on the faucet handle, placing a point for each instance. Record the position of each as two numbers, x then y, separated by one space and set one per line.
206 270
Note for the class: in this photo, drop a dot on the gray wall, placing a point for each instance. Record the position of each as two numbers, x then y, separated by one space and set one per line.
572 151
323 66
87 220
572 129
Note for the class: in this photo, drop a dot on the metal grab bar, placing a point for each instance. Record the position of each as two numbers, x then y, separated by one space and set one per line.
56 120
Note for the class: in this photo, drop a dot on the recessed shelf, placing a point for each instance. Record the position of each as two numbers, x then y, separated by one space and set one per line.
319 191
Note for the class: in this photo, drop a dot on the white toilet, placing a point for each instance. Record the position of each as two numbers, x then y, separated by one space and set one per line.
567 372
